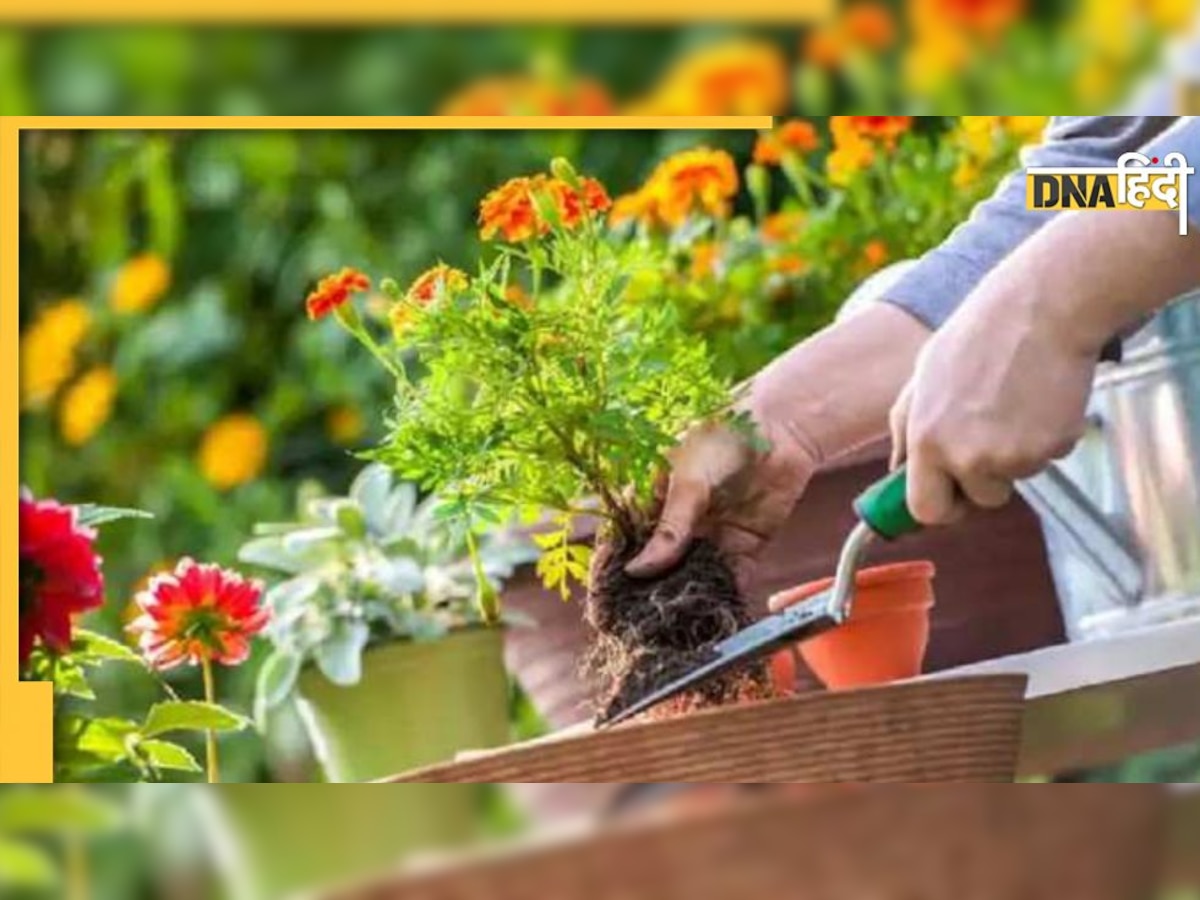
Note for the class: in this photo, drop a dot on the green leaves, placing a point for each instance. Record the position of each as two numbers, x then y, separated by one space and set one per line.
276 681
562 562
189 715
91 515
57 811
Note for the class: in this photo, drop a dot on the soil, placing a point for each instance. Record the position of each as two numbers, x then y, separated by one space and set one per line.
647 632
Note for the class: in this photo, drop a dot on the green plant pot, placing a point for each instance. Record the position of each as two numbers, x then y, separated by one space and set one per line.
417 703
276 840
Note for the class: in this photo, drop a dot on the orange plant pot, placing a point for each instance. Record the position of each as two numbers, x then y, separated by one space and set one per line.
888 633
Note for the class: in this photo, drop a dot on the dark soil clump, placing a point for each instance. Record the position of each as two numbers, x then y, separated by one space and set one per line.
647 632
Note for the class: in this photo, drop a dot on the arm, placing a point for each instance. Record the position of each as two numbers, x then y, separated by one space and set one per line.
945 276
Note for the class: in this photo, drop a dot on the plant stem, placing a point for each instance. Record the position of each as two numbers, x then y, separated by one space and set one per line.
210 737
489 602
75 861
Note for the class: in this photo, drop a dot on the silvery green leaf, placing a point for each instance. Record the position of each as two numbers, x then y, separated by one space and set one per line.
371 490
328 510
423 627
288 599
399 513
339 657
399 576
270 553
276 679
320 540
91 515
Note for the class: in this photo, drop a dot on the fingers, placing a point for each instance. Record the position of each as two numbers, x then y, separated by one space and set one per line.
687 501
933 495
785 599
899 425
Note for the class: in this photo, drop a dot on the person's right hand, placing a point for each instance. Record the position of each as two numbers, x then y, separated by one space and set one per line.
723 489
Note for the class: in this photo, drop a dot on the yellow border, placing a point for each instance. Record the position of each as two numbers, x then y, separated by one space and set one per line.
26 708
457 12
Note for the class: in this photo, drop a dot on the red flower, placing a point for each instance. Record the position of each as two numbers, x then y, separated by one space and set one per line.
335 291
59 572
199 613
510 211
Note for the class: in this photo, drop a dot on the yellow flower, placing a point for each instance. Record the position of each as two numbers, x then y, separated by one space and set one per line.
1027 129
87 405
344 424
140 283
739 77
48 350
849 159
934 58
1172 15
967 174
233 451
977 135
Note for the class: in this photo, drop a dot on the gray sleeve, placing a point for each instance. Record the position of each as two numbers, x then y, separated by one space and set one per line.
1183 137
939 283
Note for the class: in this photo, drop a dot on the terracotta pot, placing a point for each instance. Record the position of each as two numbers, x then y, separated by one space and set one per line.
958 730
888 632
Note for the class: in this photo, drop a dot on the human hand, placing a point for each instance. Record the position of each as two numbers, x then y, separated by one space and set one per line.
997 395
722 488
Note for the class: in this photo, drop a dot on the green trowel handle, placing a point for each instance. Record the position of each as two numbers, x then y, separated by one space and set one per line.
884 506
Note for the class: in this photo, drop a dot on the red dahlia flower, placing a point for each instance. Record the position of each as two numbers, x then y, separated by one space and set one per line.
198 614
59 572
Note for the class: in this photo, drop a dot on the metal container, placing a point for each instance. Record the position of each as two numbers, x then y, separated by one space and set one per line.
1140 467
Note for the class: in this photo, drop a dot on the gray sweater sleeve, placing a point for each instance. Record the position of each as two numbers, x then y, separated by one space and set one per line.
934 288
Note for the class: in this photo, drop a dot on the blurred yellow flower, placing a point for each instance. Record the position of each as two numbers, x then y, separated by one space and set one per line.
1027 129
705 256
851 156
345 425
782 226
934 58
48 350
967 174
699 181
233 451
977 135
140 284
740 77
1173 15
87 405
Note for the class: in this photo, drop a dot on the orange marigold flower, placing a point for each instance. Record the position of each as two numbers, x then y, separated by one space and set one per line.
882 129
825 47
705 256
441 279
875 254
741 77
798 137
524 95
782 226
789 264
871 25
517 296
335 291
986 18
694 181
637 206
511 212
198 614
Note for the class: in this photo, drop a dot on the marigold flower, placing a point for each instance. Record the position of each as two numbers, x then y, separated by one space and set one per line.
432 284
511 210
59 575
875 254
140 283
344 424
852 154
936 56
740 77
517 296
699 181
870 25
983 18
885 130
798 137
198 614
705 257
334 291
782 226
530 96
825 47
233 451
49 348
789 264
1026 129
636 206
87 405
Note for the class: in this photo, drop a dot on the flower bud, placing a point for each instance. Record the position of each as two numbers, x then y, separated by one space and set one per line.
562 169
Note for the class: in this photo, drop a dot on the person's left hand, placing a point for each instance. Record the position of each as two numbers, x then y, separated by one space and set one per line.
998 394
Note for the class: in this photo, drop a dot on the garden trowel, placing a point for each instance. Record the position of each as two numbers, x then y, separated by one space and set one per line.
883 513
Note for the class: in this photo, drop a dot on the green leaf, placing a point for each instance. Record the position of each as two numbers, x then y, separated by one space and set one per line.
339 657
165 755
190 715
91 515
71 681
276 680
47 811
92 648
26 867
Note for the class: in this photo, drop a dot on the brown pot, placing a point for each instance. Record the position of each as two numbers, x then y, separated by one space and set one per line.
888 632
984 842
955 730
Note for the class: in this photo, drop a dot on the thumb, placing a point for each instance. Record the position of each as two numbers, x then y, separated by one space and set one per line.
686 503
